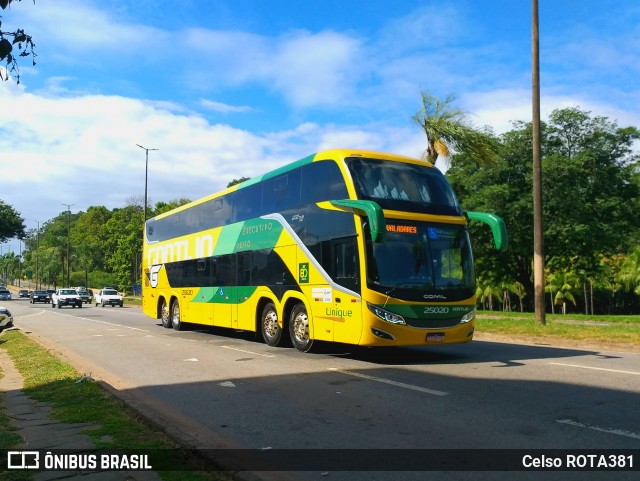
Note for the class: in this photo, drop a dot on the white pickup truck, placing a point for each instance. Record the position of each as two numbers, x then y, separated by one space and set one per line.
108 297
65 297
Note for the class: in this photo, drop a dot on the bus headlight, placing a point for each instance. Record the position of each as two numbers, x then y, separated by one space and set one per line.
386 315
468 316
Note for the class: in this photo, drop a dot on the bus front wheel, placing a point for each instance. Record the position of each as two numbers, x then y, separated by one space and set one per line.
176 323
299 328
164 314
271 330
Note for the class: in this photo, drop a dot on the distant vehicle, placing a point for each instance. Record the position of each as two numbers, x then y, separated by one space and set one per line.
23 293
5 295
39 296
109 297
84 295
65 297
6 319
50 292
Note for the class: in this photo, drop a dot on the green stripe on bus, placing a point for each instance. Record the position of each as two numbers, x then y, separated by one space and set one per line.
224 294
250 235
427 312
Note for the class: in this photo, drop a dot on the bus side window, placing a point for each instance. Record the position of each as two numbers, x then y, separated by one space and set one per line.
321 181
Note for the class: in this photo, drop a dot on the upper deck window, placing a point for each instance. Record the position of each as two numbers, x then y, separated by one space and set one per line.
401 186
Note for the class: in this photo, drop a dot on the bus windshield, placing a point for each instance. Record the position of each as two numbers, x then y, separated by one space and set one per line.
403 186
421 261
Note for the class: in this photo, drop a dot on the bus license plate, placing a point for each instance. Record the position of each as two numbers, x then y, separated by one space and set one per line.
435 337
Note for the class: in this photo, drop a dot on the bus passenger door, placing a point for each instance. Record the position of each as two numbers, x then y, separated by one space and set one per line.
223 281
201 309
345 271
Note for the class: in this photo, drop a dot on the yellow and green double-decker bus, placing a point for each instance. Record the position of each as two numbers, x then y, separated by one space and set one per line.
347 246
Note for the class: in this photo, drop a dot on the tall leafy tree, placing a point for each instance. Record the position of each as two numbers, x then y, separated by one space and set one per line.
11 224
591 195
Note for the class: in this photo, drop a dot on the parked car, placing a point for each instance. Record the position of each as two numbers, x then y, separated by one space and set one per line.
109 297
40 296
23 293
6 319
65 297
5 295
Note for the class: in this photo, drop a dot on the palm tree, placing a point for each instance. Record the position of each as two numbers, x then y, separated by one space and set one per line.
447 129
562 283
518 289
630 271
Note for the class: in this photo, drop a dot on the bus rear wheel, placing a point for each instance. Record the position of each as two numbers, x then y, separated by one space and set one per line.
176 323
271 330
164 314
299 328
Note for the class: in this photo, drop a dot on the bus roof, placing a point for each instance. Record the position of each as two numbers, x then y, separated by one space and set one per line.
334 154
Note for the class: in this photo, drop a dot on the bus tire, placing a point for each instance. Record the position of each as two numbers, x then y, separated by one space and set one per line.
299 328
176 323
271 330
165 318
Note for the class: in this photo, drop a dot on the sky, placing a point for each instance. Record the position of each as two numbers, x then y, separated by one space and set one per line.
231 88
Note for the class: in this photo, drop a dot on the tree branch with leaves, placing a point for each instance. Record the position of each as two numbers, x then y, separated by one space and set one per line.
14 44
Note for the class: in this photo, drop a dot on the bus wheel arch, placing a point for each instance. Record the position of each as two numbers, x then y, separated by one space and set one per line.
300 327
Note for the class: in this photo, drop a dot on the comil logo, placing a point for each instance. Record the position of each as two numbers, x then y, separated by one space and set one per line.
153 274
23 460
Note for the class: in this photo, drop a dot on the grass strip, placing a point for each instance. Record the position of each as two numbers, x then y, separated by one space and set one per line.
614 330
47 379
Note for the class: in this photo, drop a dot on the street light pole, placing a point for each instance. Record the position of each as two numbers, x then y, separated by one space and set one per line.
146 171
38 255
68 243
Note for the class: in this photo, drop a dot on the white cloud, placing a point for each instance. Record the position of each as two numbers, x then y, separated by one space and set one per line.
224 108
82 150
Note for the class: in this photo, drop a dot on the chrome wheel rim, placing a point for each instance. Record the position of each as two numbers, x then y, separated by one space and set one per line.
270 324
301 328
165 313
175 315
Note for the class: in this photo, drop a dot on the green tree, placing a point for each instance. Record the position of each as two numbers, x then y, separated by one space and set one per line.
629 274
162 207
562 283
591 195
11 224
237 181
448 129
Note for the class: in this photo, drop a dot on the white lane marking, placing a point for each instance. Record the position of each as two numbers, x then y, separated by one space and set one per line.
31 315
618 432
393 383
192 359
635 373
247 352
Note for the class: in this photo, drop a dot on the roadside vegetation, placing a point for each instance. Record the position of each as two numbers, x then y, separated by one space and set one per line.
614 331
47 379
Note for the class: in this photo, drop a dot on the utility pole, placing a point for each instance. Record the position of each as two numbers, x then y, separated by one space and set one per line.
38 255
146 171
68 244
538 224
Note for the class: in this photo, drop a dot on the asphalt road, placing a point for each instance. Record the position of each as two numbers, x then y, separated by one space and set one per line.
221 389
